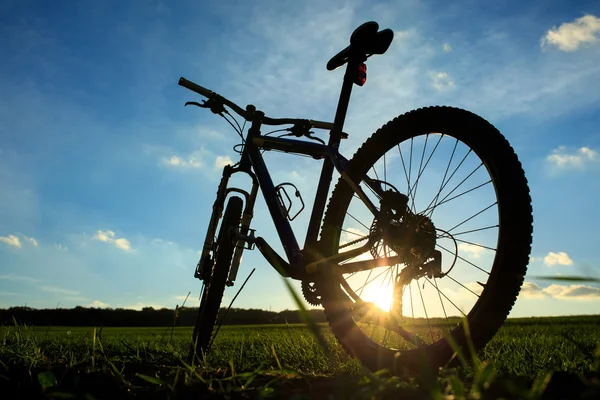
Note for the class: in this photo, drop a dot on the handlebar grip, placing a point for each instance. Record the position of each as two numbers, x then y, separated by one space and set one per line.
195 87
321 124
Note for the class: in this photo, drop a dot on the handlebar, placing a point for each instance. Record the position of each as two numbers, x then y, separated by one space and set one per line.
249 115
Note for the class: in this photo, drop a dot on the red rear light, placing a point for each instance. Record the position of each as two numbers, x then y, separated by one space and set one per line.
361 74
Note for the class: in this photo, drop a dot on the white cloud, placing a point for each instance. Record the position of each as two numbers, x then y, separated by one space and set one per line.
447 48
474 250
442 81
176 161
565 160
560 258
109 237
98 304
531 290
570 35
57 290
194 160
138 306
575 292
222 161
11 240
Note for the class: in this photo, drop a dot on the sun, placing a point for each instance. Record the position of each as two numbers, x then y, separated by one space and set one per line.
380 295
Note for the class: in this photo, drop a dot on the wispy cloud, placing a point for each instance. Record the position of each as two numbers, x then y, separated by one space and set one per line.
76 298
31 240
61 247
563 159
560 258
18 278
58 290
442 81
109 237
569 36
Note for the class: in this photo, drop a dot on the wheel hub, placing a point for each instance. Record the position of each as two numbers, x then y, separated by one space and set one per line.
411 236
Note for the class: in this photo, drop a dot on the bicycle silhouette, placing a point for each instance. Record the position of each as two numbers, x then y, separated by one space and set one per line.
375 230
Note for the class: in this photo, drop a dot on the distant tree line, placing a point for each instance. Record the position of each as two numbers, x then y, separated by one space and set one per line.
148 316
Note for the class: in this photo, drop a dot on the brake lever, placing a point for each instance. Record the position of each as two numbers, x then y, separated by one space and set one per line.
216 106
195 103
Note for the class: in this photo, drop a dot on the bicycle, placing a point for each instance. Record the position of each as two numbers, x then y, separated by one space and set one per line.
398 237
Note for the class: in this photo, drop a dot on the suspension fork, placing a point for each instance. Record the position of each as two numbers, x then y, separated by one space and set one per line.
218 205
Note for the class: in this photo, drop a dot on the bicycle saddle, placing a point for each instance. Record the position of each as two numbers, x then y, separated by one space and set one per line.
364 40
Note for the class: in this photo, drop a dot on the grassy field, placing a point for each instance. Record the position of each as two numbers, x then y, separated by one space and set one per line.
528 358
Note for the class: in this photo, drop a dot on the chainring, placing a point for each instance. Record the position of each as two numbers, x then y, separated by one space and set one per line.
310 293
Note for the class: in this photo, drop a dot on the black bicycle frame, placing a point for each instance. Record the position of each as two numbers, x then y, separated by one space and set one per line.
252 159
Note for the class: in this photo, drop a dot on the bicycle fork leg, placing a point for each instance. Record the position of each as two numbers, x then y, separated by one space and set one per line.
244 229
212 226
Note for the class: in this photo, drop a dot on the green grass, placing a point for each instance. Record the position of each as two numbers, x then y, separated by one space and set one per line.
280 361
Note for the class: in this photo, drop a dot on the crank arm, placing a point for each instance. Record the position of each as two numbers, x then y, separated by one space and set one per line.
337 258
365 265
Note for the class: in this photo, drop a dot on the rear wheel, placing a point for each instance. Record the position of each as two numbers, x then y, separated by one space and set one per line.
468 208
212 292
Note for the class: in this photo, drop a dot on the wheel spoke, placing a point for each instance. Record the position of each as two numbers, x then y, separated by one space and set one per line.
463 259
475 244
404 168
455 197
449 179
354 233
469 231
442 184
441 302
354 218
416 184
473 216
384 169
425 311
414 192
463 286
456 187
410 168
446 297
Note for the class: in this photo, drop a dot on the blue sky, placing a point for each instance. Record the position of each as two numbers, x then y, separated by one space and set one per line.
106 180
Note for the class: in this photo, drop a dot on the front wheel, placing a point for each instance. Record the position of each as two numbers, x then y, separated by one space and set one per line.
458 222
212 292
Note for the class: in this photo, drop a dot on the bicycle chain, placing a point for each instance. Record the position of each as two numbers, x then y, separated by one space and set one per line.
354 242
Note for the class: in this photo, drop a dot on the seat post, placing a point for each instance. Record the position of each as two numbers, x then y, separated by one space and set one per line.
342 108
335 137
